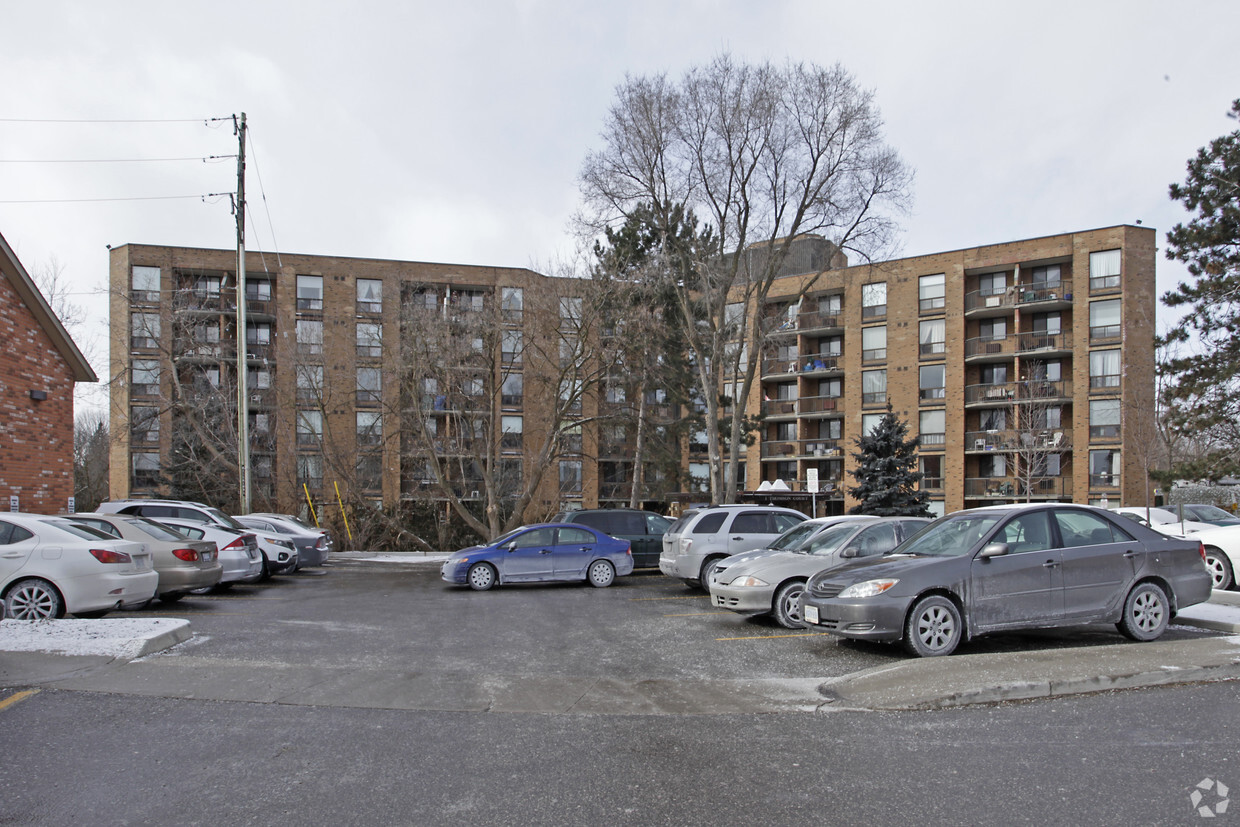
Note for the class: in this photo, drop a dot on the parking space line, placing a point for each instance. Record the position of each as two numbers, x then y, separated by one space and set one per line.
764 637
17 698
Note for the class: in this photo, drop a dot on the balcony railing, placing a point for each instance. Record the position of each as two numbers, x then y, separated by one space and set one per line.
1041 340
990 346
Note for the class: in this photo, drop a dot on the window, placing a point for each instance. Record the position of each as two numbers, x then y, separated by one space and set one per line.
570 311
933 337
1104 468
512 391
992 284
994 374
207 287
873 300
145 470
260 424
873 387
258 378
145 377
785 431
614 393
1047 324
309 383
1104 370
309 292
1026 532
511 430
830 428
831 346
1104 270
144 330
932 292
831 388
309 427
258 334
469 301
369 296
831 305
1044 278
1080 528
369 428
869 422
369 339
208 333
874 343
933 382
310 470
992 465
424 300
145 281
258 290
570 476
1104 418
309 336
994 420
933 428
786 391
511 347
512 304
370 472
1104 319
144 425
931 468
1051 371
992 329
369 386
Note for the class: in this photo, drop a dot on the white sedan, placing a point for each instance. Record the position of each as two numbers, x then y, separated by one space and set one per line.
1162 520
1222 545
50 566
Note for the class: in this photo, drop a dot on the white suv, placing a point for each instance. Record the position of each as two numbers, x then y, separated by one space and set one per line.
695 543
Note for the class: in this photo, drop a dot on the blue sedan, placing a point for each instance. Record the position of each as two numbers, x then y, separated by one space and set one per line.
541 553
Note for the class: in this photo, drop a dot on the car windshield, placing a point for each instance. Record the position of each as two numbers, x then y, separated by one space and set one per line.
1208 513
952 536
795 536
225 519
154 529
830 539
80 531
503 538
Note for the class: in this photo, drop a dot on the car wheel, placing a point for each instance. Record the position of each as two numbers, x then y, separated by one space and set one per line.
787 605
1220 569
708 571
933 628
1146 612
266 572
481 576
33 599
601 574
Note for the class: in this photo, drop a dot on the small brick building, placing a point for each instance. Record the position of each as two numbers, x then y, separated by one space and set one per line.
39 364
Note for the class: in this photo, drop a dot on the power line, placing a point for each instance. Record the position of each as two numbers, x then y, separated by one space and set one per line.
203 121
204 197
262 190
206 159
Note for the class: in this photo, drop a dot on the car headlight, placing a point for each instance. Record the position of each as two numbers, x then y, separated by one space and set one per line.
868 588
748 580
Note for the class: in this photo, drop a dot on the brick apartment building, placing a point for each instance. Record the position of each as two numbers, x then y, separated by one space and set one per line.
39 364
1026 368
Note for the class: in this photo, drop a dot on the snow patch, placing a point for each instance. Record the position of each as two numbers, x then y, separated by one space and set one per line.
120 638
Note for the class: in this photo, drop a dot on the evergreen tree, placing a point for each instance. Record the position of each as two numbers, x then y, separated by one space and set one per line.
1203 396
887 484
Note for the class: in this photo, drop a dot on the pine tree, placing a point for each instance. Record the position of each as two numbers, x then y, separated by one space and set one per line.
887 484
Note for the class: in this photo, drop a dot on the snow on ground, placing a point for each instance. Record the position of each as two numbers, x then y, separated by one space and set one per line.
394 556
120 637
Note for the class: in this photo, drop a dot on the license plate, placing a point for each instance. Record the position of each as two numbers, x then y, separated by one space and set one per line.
811 614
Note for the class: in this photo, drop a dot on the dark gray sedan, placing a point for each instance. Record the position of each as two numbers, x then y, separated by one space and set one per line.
1011 567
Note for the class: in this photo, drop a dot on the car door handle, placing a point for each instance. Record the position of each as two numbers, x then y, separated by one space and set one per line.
1050 564
1130 554
545 551
11 554
586 548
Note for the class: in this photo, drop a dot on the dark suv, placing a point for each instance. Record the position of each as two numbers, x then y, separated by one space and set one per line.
643 529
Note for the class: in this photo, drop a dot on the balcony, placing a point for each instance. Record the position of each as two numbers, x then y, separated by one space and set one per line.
1051 345
989 349
775 408
820 321
825 405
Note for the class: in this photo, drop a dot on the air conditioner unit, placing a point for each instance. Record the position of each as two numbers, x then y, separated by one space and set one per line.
993 301
979 445
474 494
256 398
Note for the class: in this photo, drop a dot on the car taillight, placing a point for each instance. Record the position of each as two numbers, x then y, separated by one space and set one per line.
186 554
106 556
628 549
1202 548
237 543
322 543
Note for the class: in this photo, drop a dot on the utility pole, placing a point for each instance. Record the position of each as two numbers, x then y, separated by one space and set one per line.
243 393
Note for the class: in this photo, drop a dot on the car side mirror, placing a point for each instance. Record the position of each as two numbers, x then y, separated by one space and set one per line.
851 551
993 550
510 546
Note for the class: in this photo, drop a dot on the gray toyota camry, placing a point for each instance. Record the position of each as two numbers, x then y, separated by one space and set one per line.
1003 568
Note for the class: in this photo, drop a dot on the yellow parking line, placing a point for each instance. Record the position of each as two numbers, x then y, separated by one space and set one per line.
686 597
764 637
17 698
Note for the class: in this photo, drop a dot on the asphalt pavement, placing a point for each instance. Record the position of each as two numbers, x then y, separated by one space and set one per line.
958 680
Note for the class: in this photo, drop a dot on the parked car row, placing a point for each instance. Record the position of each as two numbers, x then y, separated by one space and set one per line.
130 552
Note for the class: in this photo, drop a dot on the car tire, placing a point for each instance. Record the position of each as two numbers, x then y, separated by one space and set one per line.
266 572
601 574
1220 569
1147 612
786 607
481 576
708 570
33 599
934 627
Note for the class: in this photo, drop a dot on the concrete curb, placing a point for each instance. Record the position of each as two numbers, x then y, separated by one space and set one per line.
165 640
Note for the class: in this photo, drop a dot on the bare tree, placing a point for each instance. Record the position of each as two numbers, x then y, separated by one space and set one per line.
764 154
1038 431
91 444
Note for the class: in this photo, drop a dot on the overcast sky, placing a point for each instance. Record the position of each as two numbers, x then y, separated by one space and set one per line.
455 132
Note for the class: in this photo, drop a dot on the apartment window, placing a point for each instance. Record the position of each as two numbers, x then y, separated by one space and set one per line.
309 336
512 303
144 425
994 420
1104 270
933 382
1047 324
262 467
873 300
992 329
472 387
145 469
570 310
932 292
511 346
614 394
932 335
511 432
258 290
869 422
831 388
369 386
144 330
874 344
145 281
786 392
310 470
258 334
370 472
1104 418
309 383
1104 468
258 378
1051 371
512 391
309 427
931 467
831 346
830 428
570 439
207 287
369 339
369 296
992 465
260 424
1049 417
571 389
873 387
424 300
310 293
469 301
212 375
1104 319
369 428
992 284
1044 278
144 377
699 476
933 428
570 476
1104 370
831 305
994 374
784 432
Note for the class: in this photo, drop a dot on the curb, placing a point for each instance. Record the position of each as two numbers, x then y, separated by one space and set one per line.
165 640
